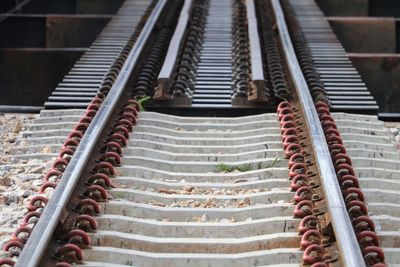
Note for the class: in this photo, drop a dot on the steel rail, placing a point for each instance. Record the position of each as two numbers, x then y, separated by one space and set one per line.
257 70
42 233
174 48
345 236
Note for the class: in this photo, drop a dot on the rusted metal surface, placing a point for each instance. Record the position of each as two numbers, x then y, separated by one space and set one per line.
72 7
344 7
340 80
52 31
381 72
365 35
98 6
73 30
33 72
60 6
373 8
98 68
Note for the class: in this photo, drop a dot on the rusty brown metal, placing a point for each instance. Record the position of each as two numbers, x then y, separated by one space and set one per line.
53 31
344 7
33 72
73 30
365 35
381 73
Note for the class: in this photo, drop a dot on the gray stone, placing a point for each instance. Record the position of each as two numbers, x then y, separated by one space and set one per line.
26 193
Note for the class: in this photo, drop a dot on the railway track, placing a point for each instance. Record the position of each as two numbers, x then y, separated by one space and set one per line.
344 87
299 186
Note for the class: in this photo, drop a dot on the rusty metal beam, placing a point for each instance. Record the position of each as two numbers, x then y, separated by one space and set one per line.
381 73
72 7
73 30
364 34
33 72
53 31
344 7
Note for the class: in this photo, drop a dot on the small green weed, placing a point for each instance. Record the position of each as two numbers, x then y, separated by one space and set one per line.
222 167
244 168
142 100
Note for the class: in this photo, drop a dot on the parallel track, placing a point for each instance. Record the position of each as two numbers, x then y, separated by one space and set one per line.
99 66
345 89
215 59
200 190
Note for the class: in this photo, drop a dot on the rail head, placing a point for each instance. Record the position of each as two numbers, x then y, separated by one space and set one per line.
167 70
351 254
41 235
257 82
